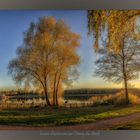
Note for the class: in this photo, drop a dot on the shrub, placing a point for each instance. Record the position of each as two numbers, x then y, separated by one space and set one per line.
116 99
121 99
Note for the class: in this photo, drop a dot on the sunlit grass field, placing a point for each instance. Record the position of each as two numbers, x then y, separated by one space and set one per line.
63 116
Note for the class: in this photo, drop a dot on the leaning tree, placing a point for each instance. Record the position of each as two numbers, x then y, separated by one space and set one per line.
120 67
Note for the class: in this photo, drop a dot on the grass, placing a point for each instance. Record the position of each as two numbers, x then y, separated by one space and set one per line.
63 116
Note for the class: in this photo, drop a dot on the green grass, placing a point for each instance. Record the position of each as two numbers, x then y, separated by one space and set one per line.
63 116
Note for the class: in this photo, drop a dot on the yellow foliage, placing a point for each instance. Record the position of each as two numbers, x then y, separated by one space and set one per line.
116 22
48 55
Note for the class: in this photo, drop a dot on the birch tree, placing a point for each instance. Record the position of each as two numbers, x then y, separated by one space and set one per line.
120 67
48 52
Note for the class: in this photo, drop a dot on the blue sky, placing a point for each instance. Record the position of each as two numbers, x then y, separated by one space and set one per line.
14 23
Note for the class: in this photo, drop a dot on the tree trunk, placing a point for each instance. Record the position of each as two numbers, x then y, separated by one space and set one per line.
56 93
126 92
56 98
54 90
125 76
46 97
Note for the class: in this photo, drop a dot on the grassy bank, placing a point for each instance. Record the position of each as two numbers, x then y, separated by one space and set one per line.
63 116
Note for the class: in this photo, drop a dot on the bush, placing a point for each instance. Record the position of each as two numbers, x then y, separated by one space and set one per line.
121 99
101 100
116 99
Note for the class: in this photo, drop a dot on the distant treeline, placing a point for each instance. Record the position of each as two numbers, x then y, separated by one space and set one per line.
71 94
21 95
85 94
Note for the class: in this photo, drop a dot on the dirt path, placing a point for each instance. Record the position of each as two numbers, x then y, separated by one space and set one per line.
99 125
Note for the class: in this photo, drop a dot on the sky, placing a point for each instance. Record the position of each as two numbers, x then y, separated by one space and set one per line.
14 23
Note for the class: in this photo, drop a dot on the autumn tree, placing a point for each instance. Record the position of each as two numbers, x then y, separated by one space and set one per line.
114 23
122 66
65 61
47 55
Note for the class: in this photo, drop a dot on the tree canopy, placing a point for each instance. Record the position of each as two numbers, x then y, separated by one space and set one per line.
113 23
48 57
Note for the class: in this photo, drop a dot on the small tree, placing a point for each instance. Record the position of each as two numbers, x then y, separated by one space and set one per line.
47 55
122 66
